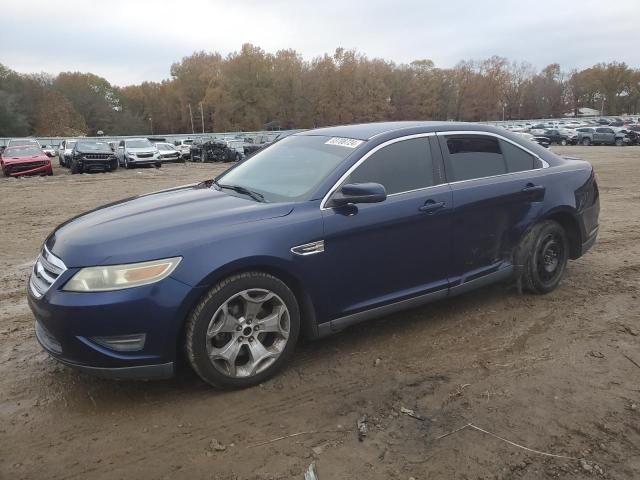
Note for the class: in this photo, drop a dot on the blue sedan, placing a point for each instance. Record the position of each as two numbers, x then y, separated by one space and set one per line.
321 230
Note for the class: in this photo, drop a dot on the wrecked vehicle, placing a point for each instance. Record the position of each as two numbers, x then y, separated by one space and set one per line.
324 229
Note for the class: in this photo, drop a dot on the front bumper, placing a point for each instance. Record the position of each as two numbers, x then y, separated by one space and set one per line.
68 323
13 170
143 161
98 164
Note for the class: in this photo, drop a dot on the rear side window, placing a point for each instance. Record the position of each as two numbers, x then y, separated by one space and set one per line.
474 156
517 159
477 156
400 167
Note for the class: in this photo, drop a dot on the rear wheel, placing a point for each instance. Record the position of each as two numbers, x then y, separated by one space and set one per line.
243 331
543 257
586 141
158 164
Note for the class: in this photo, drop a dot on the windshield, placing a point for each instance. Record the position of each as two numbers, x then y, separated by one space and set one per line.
143 143
288 170
165 146
93 146
69 145
27 151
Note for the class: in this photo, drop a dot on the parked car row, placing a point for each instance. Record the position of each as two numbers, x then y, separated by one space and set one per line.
591 132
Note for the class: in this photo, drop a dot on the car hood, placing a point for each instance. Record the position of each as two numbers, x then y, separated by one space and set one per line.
141 150
157 225
34 158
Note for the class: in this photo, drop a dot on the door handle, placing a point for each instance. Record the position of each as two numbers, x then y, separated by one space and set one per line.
430 206
530 187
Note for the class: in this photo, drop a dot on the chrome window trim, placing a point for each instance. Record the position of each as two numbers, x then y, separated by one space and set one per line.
333 189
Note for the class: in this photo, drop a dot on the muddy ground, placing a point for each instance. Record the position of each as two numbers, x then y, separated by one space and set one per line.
558 373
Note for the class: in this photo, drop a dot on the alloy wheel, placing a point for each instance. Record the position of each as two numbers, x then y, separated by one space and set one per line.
247 333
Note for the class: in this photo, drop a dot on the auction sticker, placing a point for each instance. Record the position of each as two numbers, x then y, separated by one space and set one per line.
344 142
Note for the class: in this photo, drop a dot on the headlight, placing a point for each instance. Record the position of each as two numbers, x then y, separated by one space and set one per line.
118 277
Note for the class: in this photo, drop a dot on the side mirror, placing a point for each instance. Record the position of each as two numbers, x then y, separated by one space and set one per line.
353 193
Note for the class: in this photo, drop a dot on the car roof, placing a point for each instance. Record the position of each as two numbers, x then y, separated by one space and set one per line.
367 131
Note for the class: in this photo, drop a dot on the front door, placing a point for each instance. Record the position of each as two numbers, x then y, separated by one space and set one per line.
382 253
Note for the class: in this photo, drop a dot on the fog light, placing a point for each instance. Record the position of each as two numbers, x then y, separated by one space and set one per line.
122 343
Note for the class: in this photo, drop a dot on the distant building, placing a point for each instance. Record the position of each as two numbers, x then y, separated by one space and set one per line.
584 112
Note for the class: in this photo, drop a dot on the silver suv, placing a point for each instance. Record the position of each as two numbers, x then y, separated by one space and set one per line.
133 152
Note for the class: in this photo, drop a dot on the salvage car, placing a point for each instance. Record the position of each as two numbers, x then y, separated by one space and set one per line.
169 152
214 150
560 137
65 149
602 136
135 152
322 230
24 160
185 147
91 156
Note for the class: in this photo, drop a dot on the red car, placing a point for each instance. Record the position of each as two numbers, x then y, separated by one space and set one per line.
22 160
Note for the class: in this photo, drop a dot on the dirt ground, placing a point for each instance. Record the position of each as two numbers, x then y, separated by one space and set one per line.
558 373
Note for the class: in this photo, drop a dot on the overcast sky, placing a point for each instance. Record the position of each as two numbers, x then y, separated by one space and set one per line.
130 41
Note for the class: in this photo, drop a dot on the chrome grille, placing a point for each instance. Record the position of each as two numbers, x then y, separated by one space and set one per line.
46 271
97 156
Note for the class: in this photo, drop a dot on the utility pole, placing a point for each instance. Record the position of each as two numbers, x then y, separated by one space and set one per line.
602 107
151 123
202 117
191 116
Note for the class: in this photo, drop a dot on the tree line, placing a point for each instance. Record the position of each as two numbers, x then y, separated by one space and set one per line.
254 90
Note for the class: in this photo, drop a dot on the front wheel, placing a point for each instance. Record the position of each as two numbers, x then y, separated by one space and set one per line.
243 331
75 168
619 142
586 142
543 257
563 142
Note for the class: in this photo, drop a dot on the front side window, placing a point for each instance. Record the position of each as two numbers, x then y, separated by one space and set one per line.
399 167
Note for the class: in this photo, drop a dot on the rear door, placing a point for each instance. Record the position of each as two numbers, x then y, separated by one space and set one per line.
496 186
400 248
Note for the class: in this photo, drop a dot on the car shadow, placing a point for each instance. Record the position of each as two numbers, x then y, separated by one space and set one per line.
83 393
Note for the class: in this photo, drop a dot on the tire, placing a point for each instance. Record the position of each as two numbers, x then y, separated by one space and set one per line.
234 335
586 142
75 168
126 164
619 142
563 142
238 157
542 257
114 165
158 164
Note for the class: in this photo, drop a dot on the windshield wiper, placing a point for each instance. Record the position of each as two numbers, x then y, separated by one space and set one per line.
258 197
